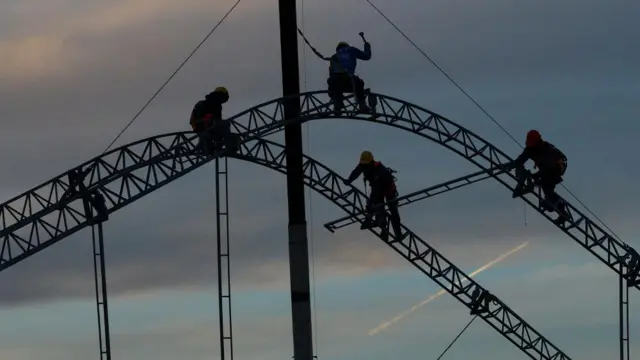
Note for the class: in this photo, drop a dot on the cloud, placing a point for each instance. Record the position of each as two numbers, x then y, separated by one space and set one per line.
72 79
162 325
50 48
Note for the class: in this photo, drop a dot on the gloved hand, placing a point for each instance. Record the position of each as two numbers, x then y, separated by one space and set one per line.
366 43
507 166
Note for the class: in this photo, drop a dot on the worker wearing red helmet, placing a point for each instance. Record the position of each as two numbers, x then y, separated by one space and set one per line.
383 187
551 164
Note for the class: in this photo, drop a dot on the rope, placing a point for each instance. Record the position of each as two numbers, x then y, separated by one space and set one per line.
309 193
457 337
315 51
482 109
144 107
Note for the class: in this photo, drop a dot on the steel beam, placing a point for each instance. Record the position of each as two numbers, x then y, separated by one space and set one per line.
623 304
224 260
102 302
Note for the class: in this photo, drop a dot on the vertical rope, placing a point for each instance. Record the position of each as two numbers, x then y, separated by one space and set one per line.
309 194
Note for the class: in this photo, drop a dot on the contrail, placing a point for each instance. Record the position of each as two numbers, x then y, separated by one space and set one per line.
424 302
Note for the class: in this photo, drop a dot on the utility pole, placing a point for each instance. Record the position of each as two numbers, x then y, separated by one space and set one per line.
298 243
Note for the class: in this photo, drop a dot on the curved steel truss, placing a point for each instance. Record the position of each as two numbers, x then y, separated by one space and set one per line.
37 218
141 176
424 257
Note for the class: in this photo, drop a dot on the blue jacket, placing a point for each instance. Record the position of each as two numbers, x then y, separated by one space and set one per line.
346 59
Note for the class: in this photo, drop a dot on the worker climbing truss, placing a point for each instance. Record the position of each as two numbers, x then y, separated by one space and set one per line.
266 119
64 205
25 217
141 176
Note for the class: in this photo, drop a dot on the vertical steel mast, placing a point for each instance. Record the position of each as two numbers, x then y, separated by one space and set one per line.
224 260
298 244
623 303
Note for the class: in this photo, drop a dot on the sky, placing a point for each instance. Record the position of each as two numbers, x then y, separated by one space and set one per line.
73 73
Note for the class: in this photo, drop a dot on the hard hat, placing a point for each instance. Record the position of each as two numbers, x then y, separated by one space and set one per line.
533 138
366 157
220 94
342 44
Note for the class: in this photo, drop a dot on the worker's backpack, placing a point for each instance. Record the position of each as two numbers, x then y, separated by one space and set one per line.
392 172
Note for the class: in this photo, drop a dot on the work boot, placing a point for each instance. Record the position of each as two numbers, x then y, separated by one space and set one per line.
560 220
368 223
363 108
546 205
373 101
338 105
563 214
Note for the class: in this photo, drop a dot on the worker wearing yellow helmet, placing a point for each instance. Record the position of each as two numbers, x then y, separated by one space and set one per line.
383 188
206 119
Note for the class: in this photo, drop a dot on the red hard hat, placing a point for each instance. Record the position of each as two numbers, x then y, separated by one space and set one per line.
533 138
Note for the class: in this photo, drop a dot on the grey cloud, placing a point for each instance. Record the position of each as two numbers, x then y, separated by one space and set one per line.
340 330
54 123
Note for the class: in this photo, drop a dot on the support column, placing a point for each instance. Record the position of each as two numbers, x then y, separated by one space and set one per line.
224 261
298 244
624 315
102 303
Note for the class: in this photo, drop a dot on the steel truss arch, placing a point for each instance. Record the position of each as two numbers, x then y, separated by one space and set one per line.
24 217
420 254
145 179
400 114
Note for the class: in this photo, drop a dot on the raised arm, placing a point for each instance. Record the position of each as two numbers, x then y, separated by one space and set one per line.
362 55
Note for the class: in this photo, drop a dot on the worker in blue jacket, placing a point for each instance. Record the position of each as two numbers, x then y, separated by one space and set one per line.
342 77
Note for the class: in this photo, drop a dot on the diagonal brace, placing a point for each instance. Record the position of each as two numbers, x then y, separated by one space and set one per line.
418 196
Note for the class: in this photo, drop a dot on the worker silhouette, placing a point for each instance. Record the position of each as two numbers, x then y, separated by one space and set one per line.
551 164
206 120
383 187
342 78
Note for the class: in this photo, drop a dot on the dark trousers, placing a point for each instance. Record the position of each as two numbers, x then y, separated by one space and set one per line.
548 177
343 83
382 191
216 136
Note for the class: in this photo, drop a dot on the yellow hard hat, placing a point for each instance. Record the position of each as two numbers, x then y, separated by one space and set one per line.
221 89
366 157
341 44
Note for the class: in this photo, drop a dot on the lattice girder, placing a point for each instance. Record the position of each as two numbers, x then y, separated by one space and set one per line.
27 212
351 200
120 191
416 196
267 118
